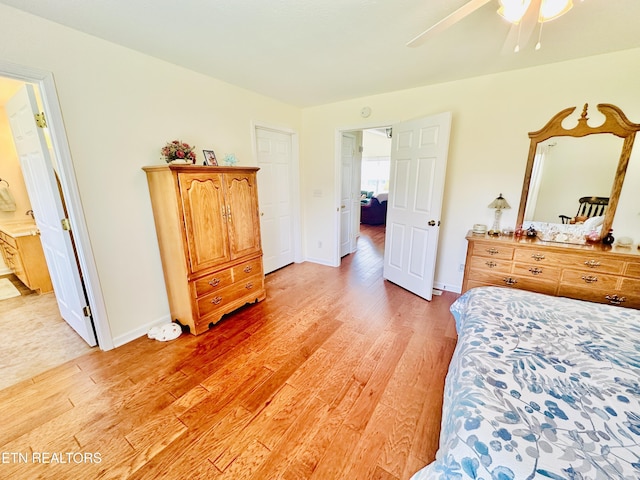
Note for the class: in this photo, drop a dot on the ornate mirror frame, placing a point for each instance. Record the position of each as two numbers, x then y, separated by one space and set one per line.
615 123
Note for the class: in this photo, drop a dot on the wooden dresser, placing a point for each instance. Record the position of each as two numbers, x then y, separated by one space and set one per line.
596 273
208 229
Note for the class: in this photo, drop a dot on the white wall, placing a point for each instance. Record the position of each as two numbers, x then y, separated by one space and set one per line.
489 144
120 107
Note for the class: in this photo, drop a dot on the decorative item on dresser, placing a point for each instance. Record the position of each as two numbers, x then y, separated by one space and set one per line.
597 273
208 229
499 204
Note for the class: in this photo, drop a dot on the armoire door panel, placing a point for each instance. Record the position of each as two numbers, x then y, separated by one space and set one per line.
243 222
205 218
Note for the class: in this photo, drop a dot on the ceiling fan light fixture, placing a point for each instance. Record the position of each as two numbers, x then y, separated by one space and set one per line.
513 10
551 9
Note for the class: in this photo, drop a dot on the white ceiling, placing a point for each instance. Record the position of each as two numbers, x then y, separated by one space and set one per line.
310 52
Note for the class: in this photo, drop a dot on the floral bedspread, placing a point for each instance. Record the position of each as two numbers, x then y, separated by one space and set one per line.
540 387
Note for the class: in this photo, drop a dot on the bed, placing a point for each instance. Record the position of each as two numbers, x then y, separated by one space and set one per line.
540 387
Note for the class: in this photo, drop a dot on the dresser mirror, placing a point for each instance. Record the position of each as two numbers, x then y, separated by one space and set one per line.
566 164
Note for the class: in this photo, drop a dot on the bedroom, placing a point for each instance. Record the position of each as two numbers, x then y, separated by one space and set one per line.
97 82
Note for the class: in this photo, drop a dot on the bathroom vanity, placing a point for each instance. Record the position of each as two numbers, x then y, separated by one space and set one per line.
22 252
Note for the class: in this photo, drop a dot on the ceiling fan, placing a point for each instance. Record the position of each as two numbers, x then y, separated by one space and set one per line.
524 15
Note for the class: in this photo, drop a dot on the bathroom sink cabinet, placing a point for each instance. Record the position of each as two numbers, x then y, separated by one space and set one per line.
23 254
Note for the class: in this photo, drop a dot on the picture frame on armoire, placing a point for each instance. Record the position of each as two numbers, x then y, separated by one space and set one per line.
209 158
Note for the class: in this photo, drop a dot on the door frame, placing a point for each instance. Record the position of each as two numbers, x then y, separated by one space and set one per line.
295 179
88 269
338 176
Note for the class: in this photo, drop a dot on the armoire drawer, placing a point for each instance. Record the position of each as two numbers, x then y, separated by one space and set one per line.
247 269
213 282
220 299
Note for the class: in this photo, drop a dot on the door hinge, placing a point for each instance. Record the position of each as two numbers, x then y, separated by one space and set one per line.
40 120
86 310
66 225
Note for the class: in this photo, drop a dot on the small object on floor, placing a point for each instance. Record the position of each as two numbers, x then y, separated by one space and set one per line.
165 333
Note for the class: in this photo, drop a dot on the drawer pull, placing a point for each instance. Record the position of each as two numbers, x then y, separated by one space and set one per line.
214 282
592 263
510 281
537 256
535 270
216 300
492 251
249 286
491 264
247 269
589 278
615 299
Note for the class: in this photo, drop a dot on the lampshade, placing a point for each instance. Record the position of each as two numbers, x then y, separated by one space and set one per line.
499 203
514 10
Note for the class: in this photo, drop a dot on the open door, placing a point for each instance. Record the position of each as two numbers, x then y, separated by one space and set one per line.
419 150
40 180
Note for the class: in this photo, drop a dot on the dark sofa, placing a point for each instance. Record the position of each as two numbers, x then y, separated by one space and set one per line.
374 212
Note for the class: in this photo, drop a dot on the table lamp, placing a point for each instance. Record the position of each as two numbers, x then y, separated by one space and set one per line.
499 204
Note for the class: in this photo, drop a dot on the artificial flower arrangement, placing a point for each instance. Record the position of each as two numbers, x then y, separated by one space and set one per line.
178 150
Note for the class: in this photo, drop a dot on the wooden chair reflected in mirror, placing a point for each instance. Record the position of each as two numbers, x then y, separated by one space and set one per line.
589 207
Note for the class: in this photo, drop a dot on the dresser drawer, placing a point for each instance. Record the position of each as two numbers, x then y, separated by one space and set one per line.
539 257
593 263
610 297
632 270
493 251
213 282
595 280
248 269
539 271
513 281
220 299
491 264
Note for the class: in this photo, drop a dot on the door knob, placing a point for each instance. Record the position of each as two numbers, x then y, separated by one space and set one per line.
432 223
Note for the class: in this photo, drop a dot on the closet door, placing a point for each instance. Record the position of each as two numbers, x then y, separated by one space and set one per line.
205 219
243 223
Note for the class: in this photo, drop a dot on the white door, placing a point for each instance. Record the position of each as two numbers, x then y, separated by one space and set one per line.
419 150
275 197
44 195
347 233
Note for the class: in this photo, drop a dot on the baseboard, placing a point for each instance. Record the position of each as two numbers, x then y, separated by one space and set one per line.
140 331
448 288
320 261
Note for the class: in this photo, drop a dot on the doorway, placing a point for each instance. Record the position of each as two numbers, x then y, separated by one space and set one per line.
18 76
365 168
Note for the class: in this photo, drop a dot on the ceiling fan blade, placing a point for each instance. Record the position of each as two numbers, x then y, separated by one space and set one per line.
467 9
520 34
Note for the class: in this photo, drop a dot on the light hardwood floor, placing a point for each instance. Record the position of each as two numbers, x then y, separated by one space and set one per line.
337 375
35 338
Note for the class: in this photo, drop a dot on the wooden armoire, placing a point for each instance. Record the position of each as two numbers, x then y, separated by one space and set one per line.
208 229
